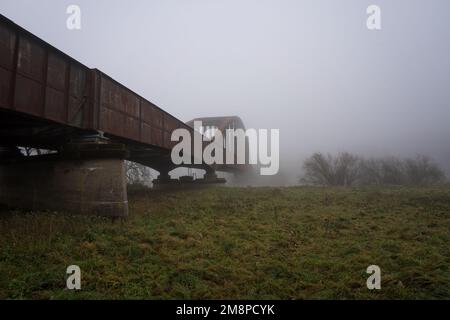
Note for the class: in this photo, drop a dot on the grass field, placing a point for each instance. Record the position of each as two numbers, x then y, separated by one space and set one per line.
220 243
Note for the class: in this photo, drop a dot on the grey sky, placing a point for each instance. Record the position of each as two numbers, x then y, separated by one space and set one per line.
310 68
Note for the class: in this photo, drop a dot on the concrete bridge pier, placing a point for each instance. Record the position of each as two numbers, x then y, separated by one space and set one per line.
211 177
84 178
164 180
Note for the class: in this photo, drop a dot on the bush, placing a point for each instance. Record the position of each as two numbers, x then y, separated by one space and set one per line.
422 171
346 169
137 174
341 170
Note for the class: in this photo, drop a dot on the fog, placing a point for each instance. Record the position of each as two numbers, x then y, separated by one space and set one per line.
309 68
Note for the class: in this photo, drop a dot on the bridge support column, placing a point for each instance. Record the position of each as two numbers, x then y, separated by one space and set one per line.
164 181
211 177
164 177
86 178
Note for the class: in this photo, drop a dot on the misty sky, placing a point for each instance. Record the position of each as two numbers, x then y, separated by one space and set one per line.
310 68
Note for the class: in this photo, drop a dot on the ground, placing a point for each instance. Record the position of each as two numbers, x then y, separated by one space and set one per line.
237 243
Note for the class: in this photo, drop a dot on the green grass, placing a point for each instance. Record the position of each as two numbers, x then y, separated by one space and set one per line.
240 243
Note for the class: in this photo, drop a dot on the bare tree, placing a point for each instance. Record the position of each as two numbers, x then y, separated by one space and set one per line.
423 171
341 170
137 173
318 170
382 171
346 169
371 172
393 171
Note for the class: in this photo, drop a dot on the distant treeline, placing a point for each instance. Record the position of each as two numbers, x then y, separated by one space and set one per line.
346 169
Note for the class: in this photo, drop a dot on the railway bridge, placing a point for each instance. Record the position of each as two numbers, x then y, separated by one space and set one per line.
89 121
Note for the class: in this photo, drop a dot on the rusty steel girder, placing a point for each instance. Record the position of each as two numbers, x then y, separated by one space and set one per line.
40 81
